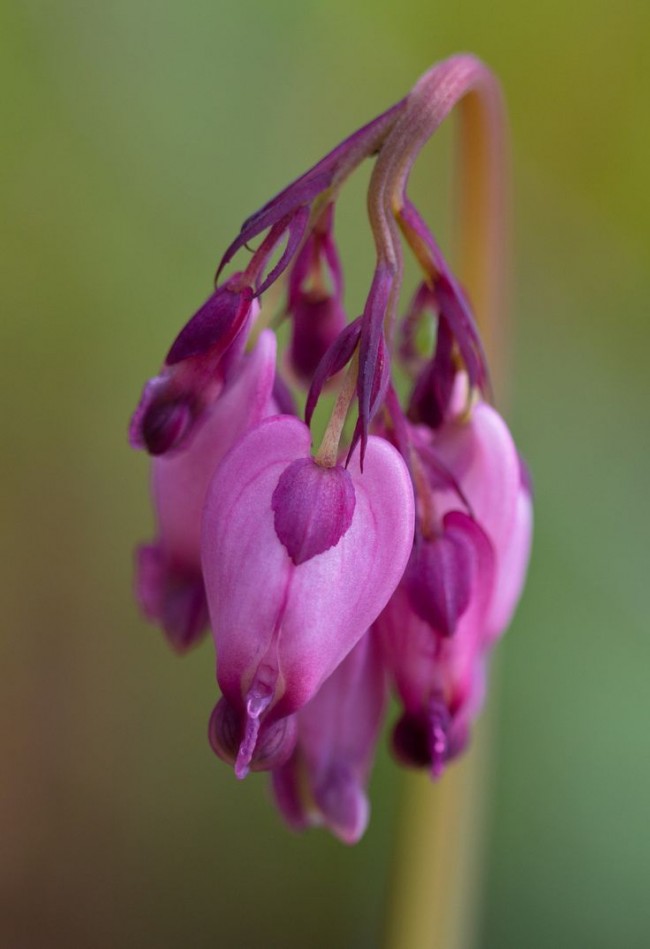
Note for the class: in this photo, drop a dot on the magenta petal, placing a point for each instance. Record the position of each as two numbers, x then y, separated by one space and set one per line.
169 578
325 780
286 626
483 457
172 595
513 565
216 322
287 785
313 508
441 573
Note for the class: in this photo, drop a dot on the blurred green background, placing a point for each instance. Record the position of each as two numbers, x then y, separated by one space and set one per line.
136 137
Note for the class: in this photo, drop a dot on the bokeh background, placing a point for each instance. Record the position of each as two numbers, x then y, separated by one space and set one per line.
137 135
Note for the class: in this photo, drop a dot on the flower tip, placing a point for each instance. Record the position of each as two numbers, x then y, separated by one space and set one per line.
246 741
344 806
422 741
171 596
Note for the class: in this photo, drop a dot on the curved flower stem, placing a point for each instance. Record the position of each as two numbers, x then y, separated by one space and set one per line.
327 454
437 857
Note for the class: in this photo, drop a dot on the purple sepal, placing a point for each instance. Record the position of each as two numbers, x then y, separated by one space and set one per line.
451 300
172 596
295 227
373 355
336 357
241 737
429 402
313 508
282 208
319 248
304 189
378 393
217 322
440 574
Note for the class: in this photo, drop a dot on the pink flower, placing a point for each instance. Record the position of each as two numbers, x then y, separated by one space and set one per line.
298 562
463 580
394 553
324 781
439 678
169 579
195 370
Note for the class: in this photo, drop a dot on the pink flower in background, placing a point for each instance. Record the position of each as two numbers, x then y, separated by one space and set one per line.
389 554
324 781
169 579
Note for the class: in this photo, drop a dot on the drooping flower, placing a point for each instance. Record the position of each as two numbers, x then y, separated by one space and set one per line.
324 781
463 580
169 579
393 552
327 546
195 370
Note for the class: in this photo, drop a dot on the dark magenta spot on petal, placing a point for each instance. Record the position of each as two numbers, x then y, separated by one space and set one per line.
164 425
313 508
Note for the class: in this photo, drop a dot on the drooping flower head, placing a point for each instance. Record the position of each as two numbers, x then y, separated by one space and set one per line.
393 552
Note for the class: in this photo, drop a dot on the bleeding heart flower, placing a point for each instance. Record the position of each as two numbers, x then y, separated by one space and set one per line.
293 583
169 581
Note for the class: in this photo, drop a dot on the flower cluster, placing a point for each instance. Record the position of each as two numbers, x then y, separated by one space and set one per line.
392 555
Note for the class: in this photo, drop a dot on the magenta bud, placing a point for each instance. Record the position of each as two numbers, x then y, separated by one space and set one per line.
313 508
433 389
429 739
241 739
317 322
324 781
440 574
215 324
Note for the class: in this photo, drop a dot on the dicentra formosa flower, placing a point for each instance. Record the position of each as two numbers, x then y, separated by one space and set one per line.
392 553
